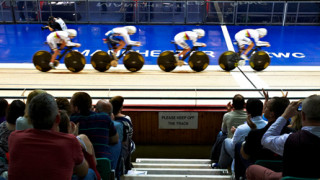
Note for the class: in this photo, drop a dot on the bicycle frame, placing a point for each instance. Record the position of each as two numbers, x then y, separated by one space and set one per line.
65 51
127 48
255 48
194 48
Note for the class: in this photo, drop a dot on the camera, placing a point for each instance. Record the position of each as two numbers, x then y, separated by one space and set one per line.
299 107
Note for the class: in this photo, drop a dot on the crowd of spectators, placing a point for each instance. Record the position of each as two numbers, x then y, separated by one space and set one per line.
278 139
54 138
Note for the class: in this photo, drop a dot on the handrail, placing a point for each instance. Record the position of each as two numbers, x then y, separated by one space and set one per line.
150 89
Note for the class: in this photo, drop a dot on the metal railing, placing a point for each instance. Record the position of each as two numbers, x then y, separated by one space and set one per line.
163 12
297 93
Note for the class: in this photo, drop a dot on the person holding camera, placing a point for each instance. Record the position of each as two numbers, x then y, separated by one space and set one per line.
55 24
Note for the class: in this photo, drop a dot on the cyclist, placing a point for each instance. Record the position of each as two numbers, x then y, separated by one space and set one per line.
112 38
62 38
244 37
181 38
55 24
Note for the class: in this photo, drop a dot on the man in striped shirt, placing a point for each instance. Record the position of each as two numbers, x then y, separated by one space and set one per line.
97 126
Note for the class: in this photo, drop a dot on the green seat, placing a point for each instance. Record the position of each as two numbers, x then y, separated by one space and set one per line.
104 168
297 178
275 165
3 159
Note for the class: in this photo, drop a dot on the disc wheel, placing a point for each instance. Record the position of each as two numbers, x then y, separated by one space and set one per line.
100 61
198 61
259 60
166 61
133 61
74 61
228 60
41 60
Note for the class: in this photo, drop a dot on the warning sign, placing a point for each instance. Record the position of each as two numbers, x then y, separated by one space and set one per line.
178 120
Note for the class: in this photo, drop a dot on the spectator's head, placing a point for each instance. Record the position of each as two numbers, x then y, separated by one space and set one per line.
3 107
31 95
81 102
117 103
64 125
275 108
43 112
311 111
64 104
104 106
15 110
254 107
238 102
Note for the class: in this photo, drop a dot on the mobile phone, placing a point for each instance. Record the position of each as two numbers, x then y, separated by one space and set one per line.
300 107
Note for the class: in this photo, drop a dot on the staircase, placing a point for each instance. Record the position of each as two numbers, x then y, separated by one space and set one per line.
172 169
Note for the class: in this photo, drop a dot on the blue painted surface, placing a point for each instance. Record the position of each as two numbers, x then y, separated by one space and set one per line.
290 45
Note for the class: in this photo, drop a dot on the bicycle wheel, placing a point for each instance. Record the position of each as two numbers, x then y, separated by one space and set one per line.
100 61
41 60
198 61
133 61
74 61
166 61
228 60
259 60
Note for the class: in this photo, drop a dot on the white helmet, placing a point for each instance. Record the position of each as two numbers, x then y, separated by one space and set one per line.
131 29
200 32
72 32
262 32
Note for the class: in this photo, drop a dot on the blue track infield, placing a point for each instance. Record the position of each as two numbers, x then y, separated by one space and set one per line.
290 45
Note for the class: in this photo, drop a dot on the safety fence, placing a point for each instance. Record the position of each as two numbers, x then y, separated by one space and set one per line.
193 94
163 12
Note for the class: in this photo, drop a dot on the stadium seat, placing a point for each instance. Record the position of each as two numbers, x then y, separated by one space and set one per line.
296 178
104 169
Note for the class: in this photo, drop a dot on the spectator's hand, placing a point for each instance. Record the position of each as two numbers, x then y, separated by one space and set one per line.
266 95
250 123
291 110
233 129
284 94
229 107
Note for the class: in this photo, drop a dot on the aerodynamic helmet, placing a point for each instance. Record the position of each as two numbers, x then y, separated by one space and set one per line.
131 29
262 32
200 32
72 32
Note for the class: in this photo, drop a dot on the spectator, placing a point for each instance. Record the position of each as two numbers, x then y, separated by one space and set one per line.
254 110
16 109
23 122
66 126
97 126
231 119
252 150
3 109
64 104
296 148
128 146
43 152
104 106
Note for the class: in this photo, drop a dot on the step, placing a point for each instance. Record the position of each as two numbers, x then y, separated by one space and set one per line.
164 165
168 171
173 161
176 177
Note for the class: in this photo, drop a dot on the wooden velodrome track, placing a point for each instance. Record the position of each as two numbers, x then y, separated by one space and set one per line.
119 81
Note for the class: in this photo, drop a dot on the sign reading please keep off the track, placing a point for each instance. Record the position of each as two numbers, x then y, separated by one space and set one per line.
178 120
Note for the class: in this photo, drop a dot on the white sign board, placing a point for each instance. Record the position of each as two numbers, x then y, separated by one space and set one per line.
178 120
